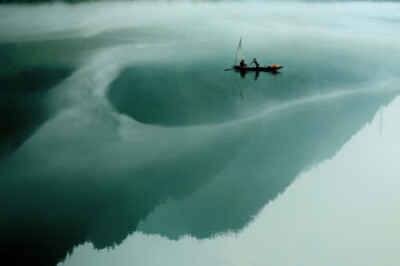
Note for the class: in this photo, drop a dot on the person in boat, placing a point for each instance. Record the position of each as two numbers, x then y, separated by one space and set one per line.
243 63
255 62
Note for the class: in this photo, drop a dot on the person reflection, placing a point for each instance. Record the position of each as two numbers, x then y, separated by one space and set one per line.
257 73
243 74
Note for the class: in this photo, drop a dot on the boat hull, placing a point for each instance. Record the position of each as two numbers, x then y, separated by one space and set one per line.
257 69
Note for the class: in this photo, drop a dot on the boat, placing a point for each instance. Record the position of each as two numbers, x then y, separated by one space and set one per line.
261 69
240 56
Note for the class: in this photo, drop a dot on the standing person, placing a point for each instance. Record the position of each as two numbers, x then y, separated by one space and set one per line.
255 62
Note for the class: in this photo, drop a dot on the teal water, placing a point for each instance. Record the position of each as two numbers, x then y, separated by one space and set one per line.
124 141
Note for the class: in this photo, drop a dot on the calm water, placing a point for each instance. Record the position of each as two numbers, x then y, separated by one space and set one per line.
124 142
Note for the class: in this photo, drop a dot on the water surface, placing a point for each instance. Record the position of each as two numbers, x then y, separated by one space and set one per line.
120 128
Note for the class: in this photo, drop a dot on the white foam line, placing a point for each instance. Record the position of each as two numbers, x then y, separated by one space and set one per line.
313 99
201 129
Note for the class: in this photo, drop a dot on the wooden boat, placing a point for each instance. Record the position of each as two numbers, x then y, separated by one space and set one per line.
260 69
239 57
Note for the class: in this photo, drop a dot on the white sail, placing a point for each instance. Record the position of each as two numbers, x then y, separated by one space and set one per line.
239 53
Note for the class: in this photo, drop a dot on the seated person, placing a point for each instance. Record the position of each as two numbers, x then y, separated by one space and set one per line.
242 63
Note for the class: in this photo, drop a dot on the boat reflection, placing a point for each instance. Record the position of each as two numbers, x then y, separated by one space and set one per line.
243 73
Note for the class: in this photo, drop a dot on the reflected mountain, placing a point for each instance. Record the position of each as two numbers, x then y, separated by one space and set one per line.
276 153
76 189
22 104
64 196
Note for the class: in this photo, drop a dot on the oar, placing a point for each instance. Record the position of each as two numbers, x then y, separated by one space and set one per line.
228 69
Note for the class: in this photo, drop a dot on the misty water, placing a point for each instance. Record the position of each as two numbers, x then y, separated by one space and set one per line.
124 142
